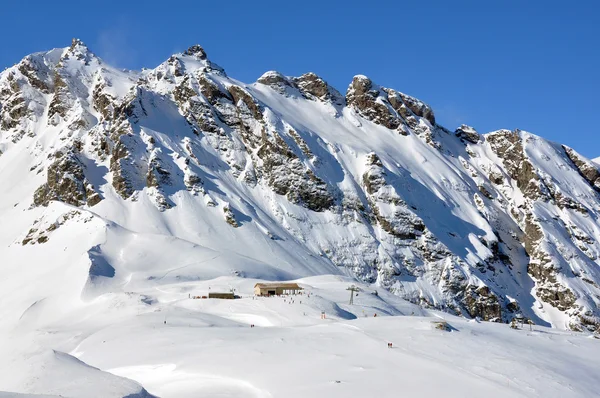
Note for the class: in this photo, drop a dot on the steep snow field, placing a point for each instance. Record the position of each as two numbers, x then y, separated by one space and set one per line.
112 346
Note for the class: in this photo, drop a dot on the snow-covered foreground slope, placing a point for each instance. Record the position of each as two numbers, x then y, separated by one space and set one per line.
207 348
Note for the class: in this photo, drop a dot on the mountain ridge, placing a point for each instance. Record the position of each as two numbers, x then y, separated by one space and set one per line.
301 179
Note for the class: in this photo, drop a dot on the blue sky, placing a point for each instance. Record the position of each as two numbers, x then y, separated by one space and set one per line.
532 65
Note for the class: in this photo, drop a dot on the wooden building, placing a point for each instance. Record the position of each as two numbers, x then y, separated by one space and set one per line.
226 296
276 289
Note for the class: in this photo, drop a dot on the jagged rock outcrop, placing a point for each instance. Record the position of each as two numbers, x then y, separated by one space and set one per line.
197 51
390 211
287 175
389 108
314 87
586 168
481 302
363 97
66 182
275 80
14 107
509 147
467 133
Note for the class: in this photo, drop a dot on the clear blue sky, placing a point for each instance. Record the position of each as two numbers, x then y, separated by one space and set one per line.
532 64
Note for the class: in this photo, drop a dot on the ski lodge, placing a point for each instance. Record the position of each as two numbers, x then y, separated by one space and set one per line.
276 289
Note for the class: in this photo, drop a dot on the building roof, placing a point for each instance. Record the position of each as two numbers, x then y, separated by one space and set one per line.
278 284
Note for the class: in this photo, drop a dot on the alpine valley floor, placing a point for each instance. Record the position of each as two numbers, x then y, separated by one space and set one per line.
119 345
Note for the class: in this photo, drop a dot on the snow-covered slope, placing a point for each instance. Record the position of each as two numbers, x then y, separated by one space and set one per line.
176 346
113 181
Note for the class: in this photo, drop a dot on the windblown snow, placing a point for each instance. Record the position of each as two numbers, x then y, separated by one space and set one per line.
125 194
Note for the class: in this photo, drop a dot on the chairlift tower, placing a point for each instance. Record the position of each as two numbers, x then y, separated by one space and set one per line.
352 290
520 320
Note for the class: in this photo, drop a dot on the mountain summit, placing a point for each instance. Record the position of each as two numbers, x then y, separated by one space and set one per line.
113 179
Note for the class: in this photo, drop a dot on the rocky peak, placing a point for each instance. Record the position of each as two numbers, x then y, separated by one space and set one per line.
312 84
196 51
361 84
191 63
372 103
75 42
275 80
195 59
314 87
467 133
79 51
385 106
418 107
309 85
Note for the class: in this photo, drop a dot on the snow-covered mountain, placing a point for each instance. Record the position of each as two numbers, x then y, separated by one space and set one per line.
116 180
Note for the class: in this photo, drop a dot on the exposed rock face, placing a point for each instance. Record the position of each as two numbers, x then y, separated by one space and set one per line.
481 302
314 87
390 211
36 74
362 96
66 182
235 116
391 109
275 80
58 105
197 51
312 84
230 217
418 107
467 133
587 169
288 176
368 184
239 94
508 146
549 259
14 106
